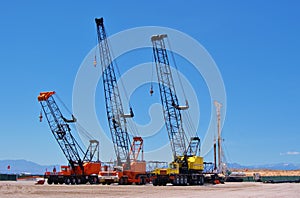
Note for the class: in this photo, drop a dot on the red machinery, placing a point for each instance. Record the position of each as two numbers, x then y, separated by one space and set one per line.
80 169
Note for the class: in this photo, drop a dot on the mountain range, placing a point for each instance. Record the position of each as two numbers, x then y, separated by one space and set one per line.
27 167
24 167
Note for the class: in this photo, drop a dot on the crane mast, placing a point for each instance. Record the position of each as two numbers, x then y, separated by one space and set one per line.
169 100
114 108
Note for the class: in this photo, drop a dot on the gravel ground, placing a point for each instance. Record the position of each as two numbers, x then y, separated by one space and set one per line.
230 190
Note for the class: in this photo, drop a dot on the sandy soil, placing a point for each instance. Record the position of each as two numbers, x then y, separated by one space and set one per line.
28 189
266 172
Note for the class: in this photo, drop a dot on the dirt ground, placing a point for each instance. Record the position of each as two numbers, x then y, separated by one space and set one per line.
246 189
266 172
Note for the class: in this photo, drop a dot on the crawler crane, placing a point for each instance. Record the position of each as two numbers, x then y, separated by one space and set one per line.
186 167
82 168
133 169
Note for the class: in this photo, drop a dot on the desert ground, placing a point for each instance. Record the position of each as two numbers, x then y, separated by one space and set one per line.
244 189
266 172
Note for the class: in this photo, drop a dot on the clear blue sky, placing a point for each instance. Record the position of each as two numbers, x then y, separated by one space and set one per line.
254 43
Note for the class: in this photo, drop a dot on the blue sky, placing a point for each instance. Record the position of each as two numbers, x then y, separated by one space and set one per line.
254 43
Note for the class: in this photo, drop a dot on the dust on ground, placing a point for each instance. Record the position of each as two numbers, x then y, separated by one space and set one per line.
243 189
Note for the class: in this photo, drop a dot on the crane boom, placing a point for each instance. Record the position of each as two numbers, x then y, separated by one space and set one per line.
115 114
169 100
60 128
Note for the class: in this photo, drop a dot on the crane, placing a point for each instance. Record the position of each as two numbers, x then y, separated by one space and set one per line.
82 167
127 153
186 167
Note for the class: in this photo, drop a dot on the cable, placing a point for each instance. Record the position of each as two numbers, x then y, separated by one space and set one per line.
190 126
118 71
133 126
85 132
174 62
152 74
65 106
225 153
82 131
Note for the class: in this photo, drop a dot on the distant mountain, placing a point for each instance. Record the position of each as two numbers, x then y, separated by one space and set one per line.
23 166
278 166
28 167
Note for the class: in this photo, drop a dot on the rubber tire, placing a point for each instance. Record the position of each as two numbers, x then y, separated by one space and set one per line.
73 181
201 183
185 180
154 182
121 182
78 181
50 181
93 180
181 180
67 181
143 181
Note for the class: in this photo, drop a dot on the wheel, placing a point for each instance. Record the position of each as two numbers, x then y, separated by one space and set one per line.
201 180
55 182
83 180
181 180
121 182
96 181
78 180
143 180
60 181
93 180
67 181
73 180
50 181
154 182
185 180
177 180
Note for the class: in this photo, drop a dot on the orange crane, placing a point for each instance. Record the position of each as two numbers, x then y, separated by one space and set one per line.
80 169
132 169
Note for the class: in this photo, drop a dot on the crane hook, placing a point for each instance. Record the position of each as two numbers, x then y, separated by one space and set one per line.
95 61
41 116
151 91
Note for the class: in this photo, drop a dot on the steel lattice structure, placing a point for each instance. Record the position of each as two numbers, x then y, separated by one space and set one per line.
168 96
114 108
